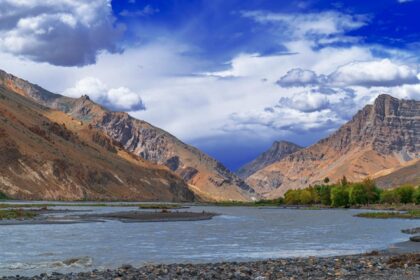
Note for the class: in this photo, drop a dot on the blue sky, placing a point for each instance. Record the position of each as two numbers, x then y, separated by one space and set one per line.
229 77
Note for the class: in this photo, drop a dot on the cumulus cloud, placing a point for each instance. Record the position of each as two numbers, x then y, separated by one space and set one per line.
60 32
122 98
310 110
298 77
375 73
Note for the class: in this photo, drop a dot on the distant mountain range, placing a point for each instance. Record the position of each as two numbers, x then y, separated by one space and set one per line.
381 141
277 151
207 178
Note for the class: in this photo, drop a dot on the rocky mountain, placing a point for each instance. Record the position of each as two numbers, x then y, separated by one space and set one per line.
382 136
278 151
206 177
46 154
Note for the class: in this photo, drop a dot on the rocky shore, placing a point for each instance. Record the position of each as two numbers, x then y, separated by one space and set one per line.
369 266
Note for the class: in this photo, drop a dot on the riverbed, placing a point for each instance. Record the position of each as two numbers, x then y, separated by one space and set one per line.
237 234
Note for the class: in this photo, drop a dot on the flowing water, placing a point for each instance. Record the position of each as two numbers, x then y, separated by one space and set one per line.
238 234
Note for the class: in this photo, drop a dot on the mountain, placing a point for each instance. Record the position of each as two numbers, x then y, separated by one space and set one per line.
385 135
206 177
48 155
276 152
407 174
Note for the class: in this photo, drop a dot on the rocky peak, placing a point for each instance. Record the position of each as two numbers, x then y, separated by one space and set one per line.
277 151
389 125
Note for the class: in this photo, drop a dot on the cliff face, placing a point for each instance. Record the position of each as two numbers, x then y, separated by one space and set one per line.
208 178
385 135
46 154
278 151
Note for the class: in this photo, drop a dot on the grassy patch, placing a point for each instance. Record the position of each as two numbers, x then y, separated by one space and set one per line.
17 214
411 214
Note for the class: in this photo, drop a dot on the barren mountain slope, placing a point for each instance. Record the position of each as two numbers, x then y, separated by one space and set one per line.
278 151
208 178
380 136
46 154
407 174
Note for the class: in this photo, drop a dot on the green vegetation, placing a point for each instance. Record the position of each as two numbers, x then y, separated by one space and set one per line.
412 214
346 194
17 214
259 203
3 196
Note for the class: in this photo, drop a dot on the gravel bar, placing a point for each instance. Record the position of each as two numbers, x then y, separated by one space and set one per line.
404 266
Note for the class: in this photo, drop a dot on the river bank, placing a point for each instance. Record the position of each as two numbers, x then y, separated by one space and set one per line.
368 266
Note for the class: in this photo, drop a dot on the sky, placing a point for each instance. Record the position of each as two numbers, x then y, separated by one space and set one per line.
227 76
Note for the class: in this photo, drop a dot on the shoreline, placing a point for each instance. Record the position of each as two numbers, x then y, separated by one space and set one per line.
374 265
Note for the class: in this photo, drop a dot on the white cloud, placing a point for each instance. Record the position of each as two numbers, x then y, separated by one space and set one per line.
222 104
300 78
59 32
324 25
374 73
120 98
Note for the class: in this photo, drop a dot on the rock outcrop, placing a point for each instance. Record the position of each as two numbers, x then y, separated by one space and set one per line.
278 151
208 178
382 136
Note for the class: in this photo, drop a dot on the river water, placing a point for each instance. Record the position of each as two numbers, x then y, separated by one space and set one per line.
238 234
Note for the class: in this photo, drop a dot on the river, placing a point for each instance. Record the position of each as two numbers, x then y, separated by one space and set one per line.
238 234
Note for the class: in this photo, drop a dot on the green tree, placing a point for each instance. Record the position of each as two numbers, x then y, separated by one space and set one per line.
406 193
324 193
305 197
358 194
416 196
339 196
372 192
390 197
292 197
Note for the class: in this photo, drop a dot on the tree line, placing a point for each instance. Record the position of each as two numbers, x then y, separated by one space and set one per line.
345 194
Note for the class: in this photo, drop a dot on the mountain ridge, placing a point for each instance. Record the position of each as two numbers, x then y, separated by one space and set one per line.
208 178
277 151
380 136
45 154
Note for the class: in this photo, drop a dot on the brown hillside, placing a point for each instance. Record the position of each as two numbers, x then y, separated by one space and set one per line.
46 154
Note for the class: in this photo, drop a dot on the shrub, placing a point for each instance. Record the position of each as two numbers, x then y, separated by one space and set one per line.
339 196
372 192
390 197
305 197
406 193
292 197
3 196
358 194
416 196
